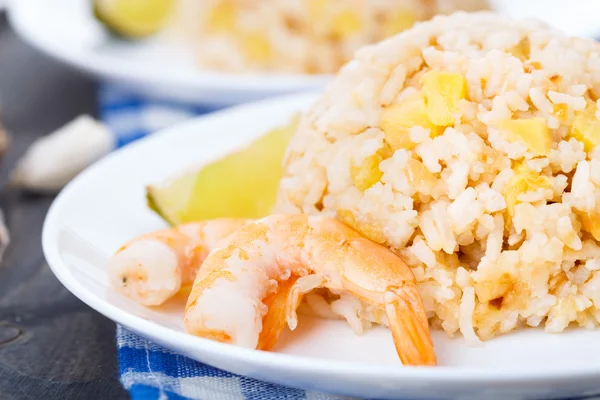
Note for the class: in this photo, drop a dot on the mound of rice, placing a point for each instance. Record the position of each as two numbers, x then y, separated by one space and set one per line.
305 36
468 145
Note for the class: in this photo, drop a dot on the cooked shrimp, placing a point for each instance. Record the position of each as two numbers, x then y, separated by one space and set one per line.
154 267
247 290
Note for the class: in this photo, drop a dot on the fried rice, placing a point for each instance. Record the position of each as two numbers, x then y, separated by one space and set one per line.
300 36
467 144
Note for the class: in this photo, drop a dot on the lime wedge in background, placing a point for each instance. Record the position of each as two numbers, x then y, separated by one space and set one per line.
133 18
240 185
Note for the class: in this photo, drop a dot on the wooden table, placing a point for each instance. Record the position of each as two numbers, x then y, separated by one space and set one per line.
52 346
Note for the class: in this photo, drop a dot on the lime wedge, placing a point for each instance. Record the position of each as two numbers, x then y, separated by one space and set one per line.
133 18
240 185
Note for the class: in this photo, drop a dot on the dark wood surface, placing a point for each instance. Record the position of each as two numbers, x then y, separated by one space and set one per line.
52 346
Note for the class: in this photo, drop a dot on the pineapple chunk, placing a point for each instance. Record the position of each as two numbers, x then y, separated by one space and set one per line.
534 179
586 129
222 17
399 21
386 151
256 46
418 175
561 111
533 132
398 118
346 23
513 189
523 181
522 49
443 91
496 288
368 230
368 173
591 224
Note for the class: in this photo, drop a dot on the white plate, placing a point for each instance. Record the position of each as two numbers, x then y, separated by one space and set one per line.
575 17
105 206
66 30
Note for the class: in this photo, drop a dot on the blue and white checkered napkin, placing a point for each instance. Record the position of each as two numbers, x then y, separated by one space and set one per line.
147 370
132 117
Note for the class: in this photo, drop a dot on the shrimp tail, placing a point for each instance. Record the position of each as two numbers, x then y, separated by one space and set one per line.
409 326
275 320
302 286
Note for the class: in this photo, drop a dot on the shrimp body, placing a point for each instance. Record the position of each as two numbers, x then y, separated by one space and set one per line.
154 267
249 289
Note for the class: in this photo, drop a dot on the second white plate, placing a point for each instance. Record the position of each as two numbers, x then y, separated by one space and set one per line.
67 31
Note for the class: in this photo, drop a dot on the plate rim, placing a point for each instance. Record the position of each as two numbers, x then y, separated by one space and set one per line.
349 369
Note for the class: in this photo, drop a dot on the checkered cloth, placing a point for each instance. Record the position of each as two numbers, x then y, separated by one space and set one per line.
147 370
132 117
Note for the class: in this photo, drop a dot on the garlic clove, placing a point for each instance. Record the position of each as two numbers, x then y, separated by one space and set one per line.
53 160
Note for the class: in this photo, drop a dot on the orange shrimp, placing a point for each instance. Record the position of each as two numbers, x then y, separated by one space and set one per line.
154 267
249 288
